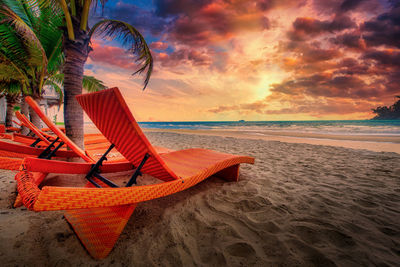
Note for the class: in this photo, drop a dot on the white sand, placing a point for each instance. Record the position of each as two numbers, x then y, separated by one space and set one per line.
300 204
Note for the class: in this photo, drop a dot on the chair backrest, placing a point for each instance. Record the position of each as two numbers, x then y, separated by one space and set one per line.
36 108
24 120
109 112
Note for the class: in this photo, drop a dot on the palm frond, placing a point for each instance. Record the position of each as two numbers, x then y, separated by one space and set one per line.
85 14
20 8
12 87
68 20
91 84
50 21
14 49
131 38
9 70
56 86
57 78
26 32
72 6
22 28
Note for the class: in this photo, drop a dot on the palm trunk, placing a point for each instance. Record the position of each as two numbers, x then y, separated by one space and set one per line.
76 53
10 110
25 111
35 119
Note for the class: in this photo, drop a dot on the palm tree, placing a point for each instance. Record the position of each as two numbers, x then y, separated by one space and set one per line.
76 47
30 49
11 90
30 45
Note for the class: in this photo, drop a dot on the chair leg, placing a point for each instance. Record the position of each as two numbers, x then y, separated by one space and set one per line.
99 229
229 174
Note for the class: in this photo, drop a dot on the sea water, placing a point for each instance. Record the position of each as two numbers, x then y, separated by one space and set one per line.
340 127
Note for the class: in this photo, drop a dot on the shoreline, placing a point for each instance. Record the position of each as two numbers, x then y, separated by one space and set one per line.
377 143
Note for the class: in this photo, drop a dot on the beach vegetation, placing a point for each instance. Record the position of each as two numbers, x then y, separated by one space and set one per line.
31 54
76 45
30 47
388 112
11 91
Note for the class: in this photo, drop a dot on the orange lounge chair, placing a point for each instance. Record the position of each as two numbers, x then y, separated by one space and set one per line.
43 136
3 128
4 131
98 215
11 154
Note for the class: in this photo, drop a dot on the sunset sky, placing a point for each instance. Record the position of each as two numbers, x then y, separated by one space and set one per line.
256 60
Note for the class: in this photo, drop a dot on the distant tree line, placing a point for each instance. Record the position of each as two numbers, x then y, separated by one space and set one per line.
388 113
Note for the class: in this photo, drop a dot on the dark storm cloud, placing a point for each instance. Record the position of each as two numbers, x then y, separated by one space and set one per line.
384 29
305 27
265 5
184 56
350 40
351 66
347 5
144 20
165 8
344 6
326 85
384 58
215 22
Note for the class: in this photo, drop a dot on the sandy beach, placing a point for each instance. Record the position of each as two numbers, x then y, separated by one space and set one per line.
378 143
299 205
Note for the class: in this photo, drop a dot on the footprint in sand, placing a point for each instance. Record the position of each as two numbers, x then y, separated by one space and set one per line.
240 250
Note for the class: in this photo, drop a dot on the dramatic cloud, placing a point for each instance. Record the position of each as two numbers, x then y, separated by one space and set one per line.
387 58
143 19
383 30
158 45
344 6
214 22
256 60
351 40
112 55
303 28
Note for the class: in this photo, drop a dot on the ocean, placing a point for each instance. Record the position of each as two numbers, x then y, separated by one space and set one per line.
341 127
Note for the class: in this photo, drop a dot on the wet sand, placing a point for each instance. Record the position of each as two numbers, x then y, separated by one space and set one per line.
299 205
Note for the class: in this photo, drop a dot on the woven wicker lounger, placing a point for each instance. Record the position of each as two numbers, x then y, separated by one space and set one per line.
11 154
98 215
45 137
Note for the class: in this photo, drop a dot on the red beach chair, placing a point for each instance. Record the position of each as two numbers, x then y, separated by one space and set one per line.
99 211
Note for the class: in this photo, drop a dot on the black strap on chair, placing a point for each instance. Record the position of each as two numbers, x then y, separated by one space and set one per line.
137 171
48 151
95 172
53 152
36 142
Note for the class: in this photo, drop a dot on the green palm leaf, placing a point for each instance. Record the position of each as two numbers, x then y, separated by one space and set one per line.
89 83
131 38
25 31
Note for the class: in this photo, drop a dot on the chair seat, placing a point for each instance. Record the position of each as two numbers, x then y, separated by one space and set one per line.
189 162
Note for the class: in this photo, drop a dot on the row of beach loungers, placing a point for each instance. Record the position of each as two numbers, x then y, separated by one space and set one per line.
98 208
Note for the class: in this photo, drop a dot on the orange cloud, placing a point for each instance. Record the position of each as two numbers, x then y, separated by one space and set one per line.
112 55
